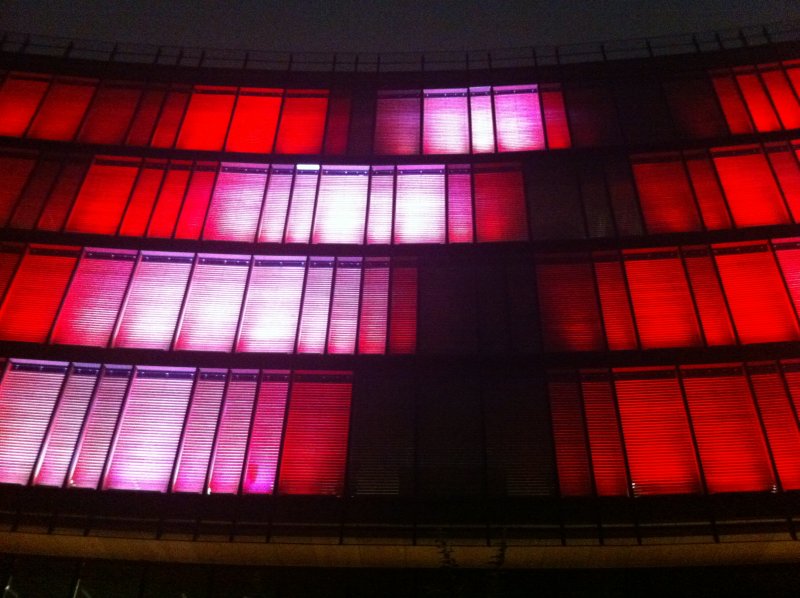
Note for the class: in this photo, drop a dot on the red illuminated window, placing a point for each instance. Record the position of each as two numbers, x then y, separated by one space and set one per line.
20 97
169 118
614 304
403 315
144 122
149 428
143 198
34 193
500 205
302 122
569 434
732 105
170 198
261 465
783 98
341 205
213 303
711 305
14 172
518 118
446 124
555 118
62 195
150 311
94 298
62 110
420 209
707 190
195 202
35 293
397 124
110 114
255 120
236 203
605 442
374 306
103 196
787 171
205 123
666 197
338 129
757 100
315 444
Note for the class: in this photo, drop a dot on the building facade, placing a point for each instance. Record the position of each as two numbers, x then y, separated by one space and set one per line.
516 310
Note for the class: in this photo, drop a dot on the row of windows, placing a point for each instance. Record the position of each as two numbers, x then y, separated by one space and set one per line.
694 296
263 203
183 301
622 432
178 429
643 431
400 122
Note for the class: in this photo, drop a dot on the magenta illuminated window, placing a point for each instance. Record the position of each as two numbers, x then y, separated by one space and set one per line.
381 202
28 394
261 465
403 308
95 296
316 306
228 456
500 211
481 120
301 206
213 303
236 203
89 459
373 321
205 123
459 204
341 205
344 306
276 204
20 97
143 451
420 209
397 123
317 427
518 118
62 435
272 305
446 122
151 308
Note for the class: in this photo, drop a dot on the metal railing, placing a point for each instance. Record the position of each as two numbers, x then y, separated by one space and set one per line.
128 53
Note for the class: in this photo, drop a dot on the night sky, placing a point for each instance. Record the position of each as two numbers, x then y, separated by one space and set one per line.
359 25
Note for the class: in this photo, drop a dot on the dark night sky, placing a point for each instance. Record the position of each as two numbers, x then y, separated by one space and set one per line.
359 25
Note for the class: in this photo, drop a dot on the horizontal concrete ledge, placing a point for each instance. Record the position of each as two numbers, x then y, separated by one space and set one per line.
286 554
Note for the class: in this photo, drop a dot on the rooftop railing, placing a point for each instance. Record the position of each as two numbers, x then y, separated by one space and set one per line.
128 53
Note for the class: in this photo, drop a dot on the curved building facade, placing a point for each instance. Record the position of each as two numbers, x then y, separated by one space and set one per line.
525 312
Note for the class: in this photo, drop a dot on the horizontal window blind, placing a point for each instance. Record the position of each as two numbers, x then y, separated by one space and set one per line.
20 96
302 122
110 114
205 123
446 124
61 111
255 120
103 196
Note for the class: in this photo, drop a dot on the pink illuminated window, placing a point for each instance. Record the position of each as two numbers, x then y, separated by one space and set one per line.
149 430
265 439
272 305
279 190
344 306
605 442
756 294
62 110
110 114
446 121
236 203
35 293
150 311
569 435
170 198
555 118
403 309
732 105
59 444
728 433
397 123
232 433
518 118
213 303
500 211
20 96
206 120
758 102
661 299
620 331
746 175
169 118
255 120
103 196
198 437
658 440
301 207
14 172
666 197
302 123
28 394
315 444
420 209
374 306
341 205
142 198
381 201
316 306
569 310
94 298
459 204
90 455
481 120
195 203
708 296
